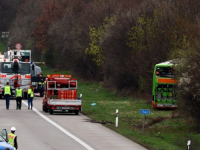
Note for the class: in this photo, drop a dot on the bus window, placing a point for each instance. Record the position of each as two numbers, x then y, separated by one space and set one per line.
165 72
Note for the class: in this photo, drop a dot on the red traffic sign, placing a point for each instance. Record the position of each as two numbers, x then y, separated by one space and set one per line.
18 46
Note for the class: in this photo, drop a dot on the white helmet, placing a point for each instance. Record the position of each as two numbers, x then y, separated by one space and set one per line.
13 129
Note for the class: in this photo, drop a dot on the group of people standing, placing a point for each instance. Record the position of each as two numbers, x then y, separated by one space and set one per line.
12 138
18 96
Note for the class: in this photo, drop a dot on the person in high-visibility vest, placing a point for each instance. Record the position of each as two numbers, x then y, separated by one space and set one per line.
7 93
12 138
18 95
30 96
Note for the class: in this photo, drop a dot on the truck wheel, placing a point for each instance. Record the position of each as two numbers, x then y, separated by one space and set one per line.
51 111
46 110
43 108
77 112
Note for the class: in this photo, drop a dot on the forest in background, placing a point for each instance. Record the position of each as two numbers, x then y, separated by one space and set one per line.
114 42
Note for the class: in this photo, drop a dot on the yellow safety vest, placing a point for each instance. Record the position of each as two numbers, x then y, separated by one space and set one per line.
30 92
7 90
41 83
18 92
11 138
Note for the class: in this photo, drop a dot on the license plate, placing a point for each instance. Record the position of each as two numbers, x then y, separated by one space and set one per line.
167 105
13 91
65 107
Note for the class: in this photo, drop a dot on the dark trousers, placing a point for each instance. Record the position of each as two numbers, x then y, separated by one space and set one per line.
41 91
7 97
18 102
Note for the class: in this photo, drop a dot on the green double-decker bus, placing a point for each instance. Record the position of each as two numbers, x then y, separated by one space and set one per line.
164 86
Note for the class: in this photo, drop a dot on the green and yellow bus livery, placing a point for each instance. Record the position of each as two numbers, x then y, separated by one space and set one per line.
164 86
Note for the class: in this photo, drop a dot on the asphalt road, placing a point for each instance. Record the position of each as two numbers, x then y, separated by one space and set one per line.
37 130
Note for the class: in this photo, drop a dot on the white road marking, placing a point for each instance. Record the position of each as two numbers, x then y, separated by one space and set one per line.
61 128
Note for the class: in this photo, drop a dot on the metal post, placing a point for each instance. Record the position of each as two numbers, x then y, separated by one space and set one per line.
147 112
188 144
143 124
116 121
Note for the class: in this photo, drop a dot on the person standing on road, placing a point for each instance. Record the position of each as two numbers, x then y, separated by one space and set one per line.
41 87
18 95
30 97
12 138
7 93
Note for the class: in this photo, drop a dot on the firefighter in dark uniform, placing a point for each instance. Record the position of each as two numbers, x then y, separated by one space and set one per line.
41 87
12 138
18 95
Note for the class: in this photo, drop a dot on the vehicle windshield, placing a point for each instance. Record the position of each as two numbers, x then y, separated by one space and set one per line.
7 67
165 72
1 139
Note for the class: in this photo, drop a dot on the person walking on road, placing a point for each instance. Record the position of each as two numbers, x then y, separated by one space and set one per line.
7 93
18 95
30 97
12 138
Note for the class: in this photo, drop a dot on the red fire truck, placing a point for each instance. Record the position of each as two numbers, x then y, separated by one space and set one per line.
61 94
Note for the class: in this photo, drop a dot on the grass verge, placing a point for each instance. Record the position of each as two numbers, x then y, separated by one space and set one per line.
164 129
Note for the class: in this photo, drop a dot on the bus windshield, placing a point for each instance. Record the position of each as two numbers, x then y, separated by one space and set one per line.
165 72
7 67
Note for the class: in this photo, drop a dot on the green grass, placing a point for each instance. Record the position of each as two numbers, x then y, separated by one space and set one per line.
162 131
48 71
2 47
